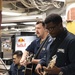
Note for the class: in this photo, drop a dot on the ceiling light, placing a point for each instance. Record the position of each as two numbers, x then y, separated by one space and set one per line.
11 13
23 18
9 24
59 0
30 23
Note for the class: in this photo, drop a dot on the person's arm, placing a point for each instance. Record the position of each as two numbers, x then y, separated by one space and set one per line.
38 69
40 65
24 57
42 70
69 69
35 61
29 49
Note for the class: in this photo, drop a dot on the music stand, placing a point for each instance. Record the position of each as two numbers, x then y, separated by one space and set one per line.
3 68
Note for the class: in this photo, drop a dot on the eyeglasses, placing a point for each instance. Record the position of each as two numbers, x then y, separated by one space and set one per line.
52 28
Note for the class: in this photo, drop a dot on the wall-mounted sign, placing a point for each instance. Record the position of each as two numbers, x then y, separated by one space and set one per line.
22 42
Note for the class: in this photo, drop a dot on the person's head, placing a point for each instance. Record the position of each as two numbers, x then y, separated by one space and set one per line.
54 24
16 57
40 29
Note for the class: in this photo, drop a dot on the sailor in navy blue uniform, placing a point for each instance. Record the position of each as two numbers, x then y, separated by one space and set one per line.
63 47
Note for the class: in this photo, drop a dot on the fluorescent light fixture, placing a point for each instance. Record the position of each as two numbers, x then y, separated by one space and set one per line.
11 14
23 18
59 0
9 24
30 23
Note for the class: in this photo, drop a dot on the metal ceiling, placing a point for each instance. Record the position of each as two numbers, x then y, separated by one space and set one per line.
28 8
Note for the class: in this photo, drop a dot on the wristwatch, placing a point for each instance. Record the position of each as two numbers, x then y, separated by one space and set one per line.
60 73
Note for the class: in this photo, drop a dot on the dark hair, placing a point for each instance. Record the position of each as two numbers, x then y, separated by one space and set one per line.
54 18
38 22
18 53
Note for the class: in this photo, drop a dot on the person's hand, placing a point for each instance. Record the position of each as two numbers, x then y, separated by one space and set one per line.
38 69
24 61
54 70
